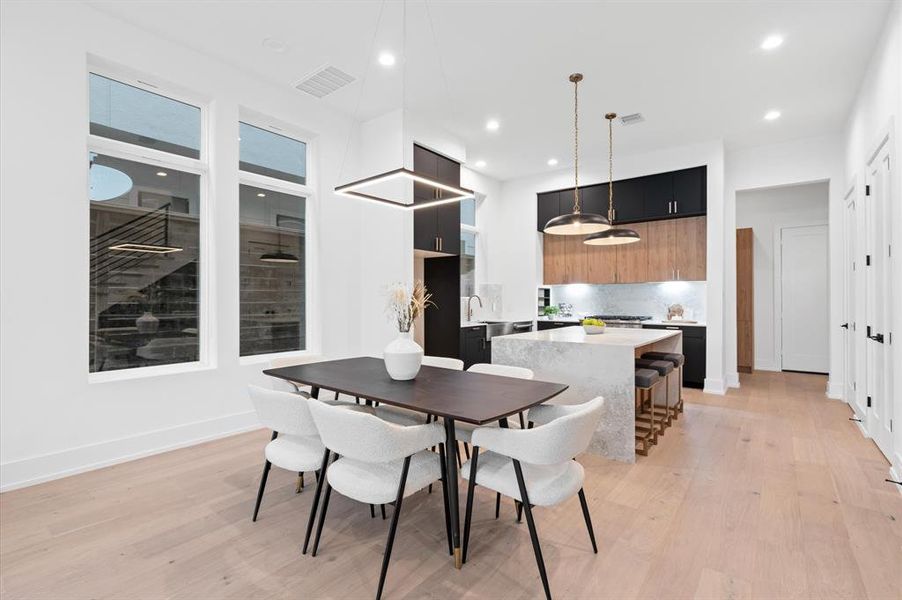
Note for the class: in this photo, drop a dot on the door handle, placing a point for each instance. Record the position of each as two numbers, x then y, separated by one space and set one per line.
670 207
678 274
676 207
877 337
435 244
845 325
441 244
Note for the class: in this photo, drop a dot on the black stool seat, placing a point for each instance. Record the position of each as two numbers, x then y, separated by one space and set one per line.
646 378
673 357
663 367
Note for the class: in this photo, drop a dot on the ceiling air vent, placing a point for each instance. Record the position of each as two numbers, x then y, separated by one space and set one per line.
632 119
324 81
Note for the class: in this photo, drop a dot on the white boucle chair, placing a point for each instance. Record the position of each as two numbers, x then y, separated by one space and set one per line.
534 466
379 462
287 386
295 443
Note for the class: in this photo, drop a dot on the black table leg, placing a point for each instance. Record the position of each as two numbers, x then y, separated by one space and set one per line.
314 391
451 469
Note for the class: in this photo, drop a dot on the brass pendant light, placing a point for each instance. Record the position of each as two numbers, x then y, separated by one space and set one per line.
617 235
577 222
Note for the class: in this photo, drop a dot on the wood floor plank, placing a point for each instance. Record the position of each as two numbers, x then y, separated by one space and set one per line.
767 492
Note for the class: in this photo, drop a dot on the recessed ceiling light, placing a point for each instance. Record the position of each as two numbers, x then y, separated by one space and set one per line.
261 195
771 42
480 163
275 44
387 59
162 173
772 115
552 162
492 125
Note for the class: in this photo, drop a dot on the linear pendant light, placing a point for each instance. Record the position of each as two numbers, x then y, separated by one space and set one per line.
576 222
374 188
618 235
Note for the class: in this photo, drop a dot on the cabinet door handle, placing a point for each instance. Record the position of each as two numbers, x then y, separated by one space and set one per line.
435 244
678 274
441 244
676 207
676 328
614 215
670 207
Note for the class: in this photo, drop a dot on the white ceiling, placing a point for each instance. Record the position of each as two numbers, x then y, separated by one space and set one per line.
693 69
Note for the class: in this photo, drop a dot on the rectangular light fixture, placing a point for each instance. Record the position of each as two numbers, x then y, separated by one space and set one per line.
354 189
148 248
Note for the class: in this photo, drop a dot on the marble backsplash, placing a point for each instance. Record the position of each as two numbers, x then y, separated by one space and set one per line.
651 299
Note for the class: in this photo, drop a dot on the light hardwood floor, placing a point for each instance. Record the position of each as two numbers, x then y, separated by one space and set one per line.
768 492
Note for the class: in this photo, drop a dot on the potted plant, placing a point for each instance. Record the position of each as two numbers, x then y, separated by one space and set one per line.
404 356
550 311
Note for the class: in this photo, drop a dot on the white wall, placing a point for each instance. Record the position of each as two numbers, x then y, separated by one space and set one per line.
52 420
514 246
766 211
877 111
800 161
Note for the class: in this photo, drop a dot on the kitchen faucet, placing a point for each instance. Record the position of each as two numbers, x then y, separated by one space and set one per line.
470 306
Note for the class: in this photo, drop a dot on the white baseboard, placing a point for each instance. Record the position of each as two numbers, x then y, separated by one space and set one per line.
766 365
38 469
733 380
835 390
896 475
715 386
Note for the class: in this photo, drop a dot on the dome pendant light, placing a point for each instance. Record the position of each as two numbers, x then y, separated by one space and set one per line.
617 235
576 223
278 256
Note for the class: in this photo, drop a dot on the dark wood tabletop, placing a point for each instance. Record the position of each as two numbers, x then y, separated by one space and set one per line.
469 397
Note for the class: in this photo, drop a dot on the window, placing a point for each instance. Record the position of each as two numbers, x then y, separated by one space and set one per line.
145 266
273 199
267 153
129 114
273 315
468 236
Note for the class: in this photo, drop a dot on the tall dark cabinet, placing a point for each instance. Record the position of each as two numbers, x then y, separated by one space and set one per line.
436 230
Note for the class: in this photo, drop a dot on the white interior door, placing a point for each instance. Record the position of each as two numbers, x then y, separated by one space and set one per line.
850 328
877 301
805 335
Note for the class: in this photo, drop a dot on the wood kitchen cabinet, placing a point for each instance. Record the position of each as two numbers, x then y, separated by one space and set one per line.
632 259
601 264
564 259
660 251
690 248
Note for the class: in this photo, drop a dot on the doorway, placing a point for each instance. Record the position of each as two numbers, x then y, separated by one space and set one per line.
805 329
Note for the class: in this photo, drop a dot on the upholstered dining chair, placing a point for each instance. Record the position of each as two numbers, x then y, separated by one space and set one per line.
377 463
295 444
287 386
544 473
464 431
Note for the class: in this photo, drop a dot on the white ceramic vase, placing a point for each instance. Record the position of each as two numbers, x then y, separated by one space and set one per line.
147 323
403 357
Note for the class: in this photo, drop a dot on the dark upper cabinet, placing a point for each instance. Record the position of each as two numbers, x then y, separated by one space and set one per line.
629 200
662 196
436 228
658 195
593 199
549 206
690 192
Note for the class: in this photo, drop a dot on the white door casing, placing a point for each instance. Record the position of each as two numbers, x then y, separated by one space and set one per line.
850 288
804 302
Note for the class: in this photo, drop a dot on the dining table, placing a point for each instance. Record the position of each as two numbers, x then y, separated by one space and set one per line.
448 394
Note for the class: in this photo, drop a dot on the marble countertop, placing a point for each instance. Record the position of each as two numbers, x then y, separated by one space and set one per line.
613 336
679 323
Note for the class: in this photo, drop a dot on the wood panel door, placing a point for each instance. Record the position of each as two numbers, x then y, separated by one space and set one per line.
632 259
601 264
745 300
660 235
553 259
690 248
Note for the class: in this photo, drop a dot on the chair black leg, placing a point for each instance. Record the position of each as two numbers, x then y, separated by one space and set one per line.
441 454
467 450
585 505
532 528
471 488
266 468
336 395
322 516
497 504
519 506
522 422
382 506
457 451
316 496
393 528
372 511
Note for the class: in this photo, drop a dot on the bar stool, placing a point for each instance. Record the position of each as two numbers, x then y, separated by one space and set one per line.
678 360
646 381
664 369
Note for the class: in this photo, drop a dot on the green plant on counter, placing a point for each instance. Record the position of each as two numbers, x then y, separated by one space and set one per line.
593 322
550 311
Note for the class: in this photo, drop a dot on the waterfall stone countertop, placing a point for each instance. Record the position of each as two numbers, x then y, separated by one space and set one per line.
594 365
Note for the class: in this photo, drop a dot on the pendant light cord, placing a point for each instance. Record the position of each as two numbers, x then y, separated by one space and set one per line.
575 143
610 168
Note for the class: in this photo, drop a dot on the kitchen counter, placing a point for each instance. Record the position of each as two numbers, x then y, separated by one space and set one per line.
675 323
594 365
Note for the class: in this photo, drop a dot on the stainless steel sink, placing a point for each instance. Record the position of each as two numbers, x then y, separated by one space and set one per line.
493 328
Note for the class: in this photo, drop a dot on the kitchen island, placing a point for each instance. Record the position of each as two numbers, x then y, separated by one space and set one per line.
593 365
